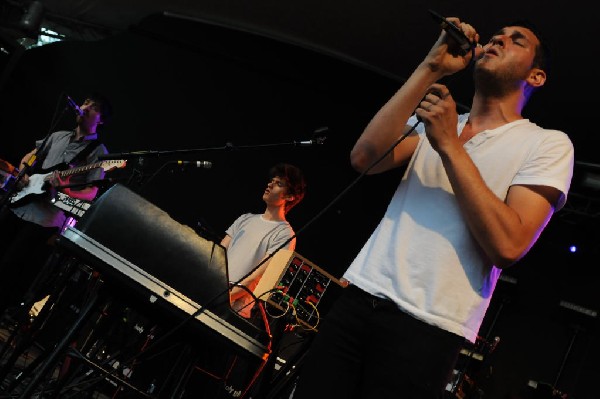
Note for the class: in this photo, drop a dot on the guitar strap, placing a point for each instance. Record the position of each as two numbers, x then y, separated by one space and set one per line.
85 152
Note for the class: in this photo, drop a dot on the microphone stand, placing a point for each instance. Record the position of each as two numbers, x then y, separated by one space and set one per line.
142 155
228 146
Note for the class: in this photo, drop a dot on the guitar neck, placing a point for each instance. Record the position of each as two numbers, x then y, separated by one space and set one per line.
80 169
106 165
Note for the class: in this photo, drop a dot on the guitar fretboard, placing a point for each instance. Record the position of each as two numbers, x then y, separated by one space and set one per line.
102 164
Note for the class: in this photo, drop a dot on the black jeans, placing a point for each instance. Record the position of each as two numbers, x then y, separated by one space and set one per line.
368 348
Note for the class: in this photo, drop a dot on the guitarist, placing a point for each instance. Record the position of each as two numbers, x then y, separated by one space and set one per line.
28 226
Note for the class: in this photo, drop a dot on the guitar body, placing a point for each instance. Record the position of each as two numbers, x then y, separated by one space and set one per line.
38 183
37 186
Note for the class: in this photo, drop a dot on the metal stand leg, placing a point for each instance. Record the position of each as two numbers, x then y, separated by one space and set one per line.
287 373
59 349
25 330
576 330
288 376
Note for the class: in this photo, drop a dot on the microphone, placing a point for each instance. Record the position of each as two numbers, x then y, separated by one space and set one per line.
318 140
494 344
454 31
308 143
197 164
73 105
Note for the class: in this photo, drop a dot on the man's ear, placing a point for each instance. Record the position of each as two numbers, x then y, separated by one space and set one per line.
536 78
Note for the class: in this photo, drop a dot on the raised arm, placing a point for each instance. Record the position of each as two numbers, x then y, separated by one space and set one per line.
389 123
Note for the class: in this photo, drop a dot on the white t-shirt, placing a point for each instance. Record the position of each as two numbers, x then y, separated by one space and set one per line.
253 238
422 255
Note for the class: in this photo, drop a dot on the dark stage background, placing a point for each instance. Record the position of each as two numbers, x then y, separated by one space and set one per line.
242 103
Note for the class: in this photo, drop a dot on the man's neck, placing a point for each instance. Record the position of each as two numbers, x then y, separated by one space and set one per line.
489 113
276 214
81 133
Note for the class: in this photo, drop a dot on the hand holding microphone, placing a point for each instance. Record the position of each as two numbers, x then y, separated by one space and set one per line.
455 33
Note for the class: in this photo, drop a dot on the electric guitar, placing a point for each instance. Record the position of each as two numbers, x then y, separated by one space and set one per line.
38 182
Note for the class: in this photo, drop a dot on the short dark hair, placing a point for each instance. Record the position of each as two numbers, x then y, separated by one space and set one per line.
295 181
103 103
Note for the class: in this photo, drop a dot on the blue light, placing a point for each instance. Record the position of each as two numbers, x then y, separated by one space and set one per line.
573 249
